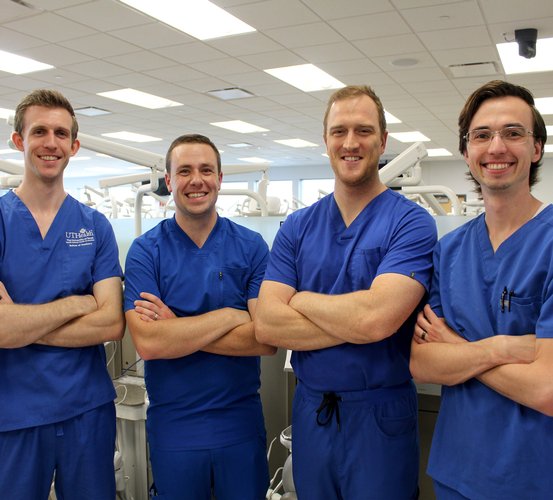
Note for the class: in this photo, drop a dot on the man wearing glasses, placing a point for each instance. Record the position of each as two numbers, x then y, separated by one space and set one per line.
487 332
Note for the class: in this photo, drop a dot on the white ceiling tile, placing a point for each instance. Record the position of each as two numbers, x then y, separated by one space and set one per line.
305 35
456 38
373 26
444 16
270 14
99 45
388 45
50 27
330 9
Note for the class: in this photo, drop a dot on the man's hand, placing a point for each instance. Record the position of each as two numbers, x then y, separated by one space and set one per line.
4 295
152 308
431 328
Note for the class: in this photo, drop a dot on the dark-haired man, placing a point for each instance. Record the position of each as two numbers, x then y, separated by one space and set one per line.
487 333
190 297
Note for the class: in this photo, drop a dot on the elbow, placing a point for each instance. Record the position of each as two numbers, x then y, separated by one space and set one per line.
268 350
366 331
544 402
263 333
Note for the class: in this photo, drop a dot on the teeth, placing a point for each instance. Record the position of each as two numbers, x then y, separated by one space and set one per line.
49 158
195 195
497 166
351 158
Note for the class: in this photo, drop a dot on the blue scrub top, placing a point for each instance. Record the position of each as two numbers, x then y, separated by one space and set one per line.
314 251
201 400
44 384
487 446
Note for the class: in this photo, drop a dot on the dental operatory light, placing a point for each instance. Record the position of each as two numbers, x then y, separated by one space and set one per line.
19 65
198 18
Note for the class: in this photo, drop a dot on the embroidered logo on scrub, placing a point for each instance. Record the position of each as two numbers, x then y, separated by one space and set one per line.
83 238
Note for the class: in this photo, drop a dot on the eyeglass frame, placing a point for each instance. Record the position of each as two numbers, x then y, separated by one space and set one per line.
527 133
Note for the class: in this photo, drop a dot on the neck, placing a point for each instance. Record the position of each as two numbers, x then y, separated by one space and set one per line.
41 197
506 214
351 200
197 229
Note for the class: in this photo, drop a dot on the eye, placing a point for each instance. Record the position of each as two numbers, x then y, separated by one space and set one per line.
513 132
481 135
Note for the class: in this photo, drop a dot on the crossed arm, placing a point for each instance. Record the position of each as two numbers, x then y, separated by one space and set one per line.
520 367
308 321
159 334
74 321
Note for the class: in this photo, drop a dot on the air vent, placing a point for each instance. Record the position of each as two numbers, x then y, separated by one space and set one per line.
473 69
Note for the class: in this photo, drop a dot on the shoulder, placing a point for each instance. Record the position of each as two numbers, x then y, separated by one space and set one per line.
238 231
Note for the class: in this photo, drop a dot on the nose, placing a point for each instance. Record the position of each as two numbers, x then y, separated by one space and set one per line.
49 139
497 144
350 141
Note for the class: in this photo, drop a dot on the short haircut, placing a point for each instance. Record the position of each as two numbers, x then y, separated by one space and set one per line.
191 139
500 88
48 99
350 92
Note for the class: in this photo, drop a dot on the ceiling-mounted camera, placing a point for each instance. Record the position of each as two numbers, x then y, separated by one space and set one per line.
526 40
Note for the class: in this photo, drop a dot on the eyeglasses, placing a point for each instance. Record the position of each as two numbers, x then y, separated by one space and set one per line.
510 135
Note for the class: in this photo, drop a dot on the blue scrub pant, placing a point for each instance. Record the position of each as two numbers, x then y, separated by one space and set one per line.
444 492
232 472
79 450
362 445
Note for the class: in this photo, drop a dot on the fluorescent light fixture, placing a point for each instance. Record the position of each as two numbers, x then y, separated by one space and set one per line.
253 159
544 105
548 148
409 136
6 113
198 18
139 98
239 126
91 111
19 65
390 118
549 129
230 93
513 63
296 143
131 136
240 145
306 77
438 152
9 151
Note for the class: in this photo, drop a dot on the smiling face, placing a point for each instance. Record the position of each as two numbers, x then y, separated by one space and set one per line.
501 166
194 180
354 141
46 142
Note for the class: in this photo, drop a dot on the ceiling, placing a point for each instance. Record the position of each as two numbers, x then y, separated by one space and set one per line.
102 45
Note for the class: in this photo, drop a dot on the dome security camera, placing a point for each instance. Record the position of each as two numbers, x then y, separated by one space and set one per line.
526 40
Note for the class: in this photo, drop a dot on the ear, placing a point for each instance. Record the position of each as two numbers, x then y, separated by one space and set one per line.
168 182
536 156
220 180
75 147
17 141
383 141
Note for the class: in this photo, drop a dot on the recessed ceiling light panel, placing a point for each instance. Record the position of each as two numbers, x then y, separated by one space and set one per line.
306 77
198 18
19 65
139 98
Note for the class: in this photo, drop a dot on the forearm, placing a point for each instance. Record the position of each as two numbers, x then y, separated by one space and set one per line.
21 324
93 329
102 325
528 384
450 363
177 337
240 341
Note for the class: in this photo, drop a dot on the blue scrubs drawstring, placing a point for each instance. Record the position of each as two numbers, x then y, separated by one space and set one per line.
330 404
